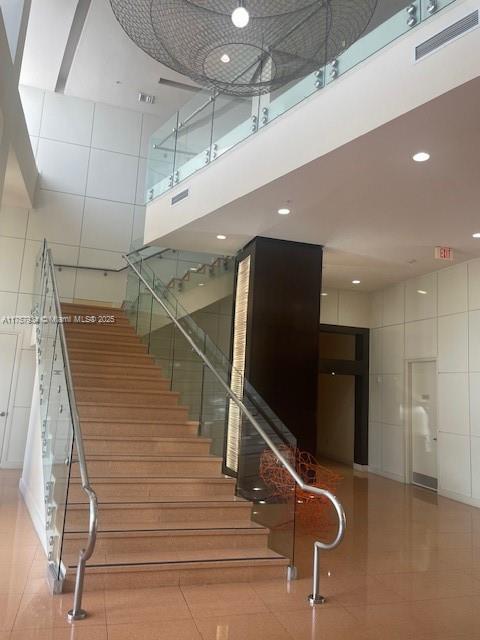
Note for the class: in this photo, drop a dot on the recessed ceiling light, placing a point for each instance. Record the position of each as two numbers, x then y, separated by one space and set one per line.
284 211
475 235
422 292
225 58
421 156
257 488
221 237
355 281
201 284
324 294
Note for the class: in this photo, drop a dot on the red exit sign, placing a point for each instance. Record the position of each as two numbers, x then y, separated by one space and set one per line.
444 253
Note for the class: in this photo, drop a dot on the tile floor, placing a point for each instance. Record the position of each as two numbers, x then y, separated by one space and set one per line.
409 569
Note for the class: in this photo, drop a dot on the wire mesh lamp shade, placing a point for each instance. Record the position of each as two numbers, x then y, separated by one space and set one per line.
244 48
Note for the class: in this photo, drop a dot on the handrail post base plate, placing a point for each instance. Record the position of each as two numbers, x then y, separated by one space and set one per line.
72 615
316 599
292 572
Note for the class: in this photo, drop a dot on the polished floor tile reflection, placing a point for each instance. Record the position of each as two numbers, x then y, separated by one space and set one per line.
408 569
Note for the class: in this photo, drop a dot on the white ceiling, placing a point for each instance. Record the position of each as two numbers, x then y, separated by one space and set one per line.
107 66
378 213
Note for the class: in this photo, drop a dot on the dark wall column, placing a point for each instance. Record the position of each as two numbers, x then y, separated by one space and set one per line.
282 330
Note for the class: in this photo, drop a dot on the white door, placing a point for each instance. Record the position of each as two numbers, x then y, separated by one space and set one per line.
8 346
424 424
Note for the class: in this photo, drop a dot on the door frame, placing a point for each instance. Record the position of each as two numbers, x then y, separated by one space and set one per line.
409 421
360 369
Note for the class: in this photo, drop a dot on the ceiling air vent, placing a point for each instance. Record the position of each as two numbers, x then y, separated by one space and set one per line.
447 35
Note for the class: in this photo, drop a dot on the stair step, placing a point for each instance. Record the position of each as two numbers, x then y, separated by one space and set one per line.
100 331
120 427
137 397
170 466
114 383
121 345
244 568
138 445
128 547
155 489
156 515
95 355
112 411
73 307
79 365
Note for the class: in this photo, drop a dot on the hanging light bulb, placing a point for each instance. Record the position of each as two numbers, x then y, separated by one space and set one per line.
240 16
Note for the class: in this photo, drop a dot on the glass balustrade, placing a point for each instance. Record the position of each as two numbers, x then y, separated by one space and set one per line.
204 389
210 125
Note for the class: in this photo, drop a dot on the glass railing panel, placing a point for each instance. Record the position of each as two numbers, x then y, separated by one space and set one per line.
264 481
194 136
235 119
298 91
61 444
161 159
394 27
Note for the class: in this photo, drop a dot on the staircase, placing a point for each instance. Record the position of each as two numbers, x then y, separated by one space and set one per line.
167 515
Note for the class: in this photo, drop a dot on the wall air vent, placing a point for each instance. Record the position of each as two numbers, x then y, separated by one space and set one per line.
447 35
179 196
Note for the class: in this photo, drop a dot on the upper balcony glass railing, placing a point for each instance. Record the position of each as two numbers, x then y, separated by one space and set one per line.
209 125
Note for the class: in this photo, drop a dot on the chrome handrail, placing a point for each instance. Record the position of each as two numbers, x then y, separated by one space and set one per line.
315 597
76 613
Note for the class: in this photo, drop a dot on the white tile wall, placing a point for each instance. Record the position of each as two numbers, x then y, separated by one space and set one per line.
475 404
453 403
112 176
453 342
474 340
107 225
452 290
345 308
67 119
329 307
394 305
421 298
57 216
13 222
438 325
62 166
392 357
454 472
474 284
77 143
421 339
117 130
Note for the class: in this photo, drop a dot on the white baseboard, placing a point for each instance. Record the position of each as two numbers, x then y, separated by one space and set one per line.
38 519
360 467
387 474
458 497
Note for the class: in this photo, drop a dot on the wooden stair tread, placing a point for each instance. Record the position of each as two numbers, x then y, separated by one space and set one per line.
246 527
158 480
180 439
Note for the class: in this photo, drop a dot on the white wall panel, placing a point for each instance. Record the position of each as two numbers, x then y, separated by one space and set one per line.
454 473
67 119
116 129
475 404
452 290
13 222
8 303
453 403
376 392
26 374
57 216
393 450
392 349
329 307
62 166
392 399
107 225
421 339
474 340
112 176
11 253
32 103
376 351
353 309
376 309
453 342
475 446
394 305
421 298
474 284
375 431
